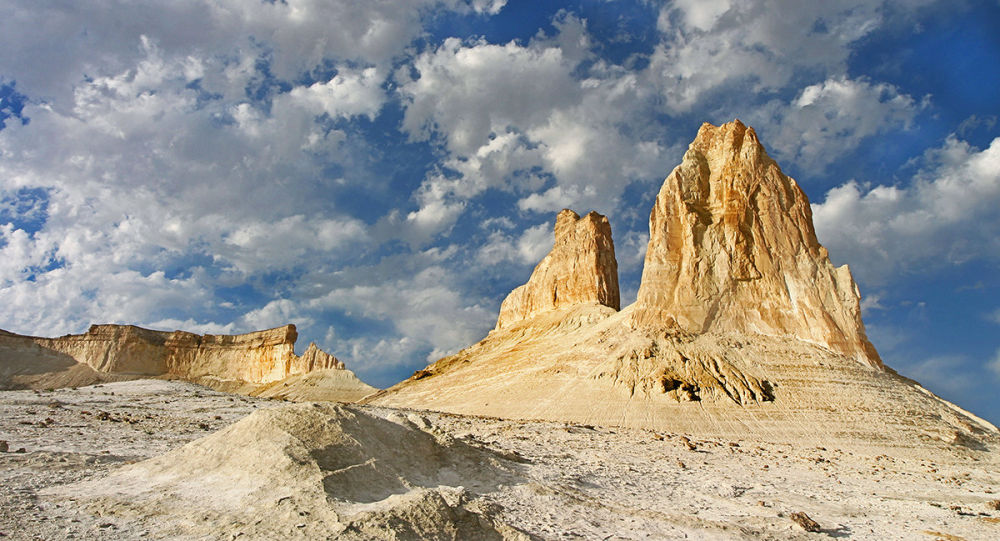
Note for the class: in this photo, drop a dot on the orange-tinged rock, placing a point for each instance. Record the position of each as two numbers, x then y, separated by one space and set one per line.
581 268
254 358
732 249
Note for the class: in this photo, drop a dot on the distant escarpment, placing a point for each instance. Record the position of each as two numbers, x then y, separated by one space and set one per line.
742 327
242 363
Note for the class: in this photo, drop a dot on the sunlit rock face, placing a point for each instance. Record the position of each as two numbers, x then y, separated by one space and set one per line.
732 248
257 357
580 269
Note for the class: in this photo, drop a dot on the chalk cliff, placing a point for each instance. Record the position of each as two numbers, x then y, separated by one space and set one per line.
580 268
242 362
732 249
742 328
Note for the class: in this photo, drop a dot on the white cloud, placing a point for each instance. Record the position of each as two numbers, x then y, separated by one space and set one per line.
832 118
255 246
515 117
195 326
946 374
870 303
349 93
994 363
528 249
947 215
156 195
276 313
426 311
710 45
49 47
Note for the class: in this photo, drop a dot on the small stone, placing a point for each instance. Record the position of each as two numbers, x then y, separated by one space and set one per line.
805 522
4 446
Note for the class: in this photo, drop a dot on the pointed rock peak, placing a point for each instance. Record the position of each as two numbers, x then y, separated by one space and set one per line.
581 268
732 248
565 223
316 359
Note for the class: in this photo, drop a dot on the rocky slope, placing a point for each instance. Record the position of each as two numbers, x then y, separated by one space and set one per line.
742 329
245 363
95 467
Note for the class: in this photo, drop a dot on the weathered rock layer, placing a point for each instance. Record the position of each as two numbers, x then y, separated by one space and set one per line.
239 362
732 248
581 268
742 329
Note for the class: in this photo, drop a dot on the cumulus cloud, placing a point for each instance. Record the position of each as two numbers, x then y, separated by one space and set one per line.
829 119
49 47
518 118
427 315
528 249
349 93
179 158
744 46
947 215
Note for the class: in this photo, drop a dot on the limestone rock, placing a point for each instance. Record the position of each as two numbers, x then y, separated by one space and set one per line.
245 363
581 268
732 249
316 359
743 329
310 471
256 357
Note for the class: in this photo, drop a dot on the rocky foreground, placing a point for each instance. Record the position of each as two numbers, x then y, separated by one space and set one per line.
160 459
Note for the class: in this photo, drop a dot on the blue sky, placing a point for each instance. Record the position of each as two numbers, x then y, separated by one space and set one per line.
383 173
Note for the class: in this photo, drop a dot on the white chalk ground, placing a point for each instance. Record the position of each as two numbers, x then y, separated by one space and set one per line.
569 482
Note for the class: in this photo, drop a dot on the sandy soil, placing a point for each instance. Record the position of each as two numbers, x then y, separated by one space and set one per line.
572 481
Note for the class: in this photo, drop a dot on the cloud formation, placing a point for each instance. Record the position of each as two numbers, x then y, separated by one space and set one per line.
945 216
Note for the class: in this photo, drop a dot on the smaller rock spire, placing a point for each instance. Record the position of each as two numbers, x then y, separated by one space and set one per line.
581 268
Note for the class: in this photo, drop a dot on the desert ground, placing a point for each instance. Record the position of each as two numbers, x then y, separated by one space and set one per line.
95 462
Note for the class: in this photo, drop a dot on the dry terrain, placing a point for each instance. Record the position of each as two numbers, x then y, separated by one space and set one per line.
110 462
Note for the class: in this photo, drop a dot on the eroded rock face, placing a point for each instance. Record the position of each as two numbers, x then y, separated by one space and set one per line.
315 359
742 329
732 249
256 358
581 268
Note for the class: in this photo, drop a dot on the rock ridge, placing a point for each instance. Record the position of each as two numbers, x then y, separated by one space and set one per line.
255 358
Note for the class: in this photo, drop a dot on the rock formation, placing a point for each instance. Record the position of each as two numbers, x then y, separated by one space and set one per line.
732 248
742 329
311 471
238 363
581 268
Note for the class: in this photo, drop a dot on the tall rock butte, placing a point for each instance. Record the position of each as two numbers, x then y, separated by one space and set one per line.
732 248
743 329
580 268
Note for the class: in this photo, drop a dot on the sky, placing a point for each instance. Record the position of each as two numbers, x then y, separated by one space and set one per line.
382 173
